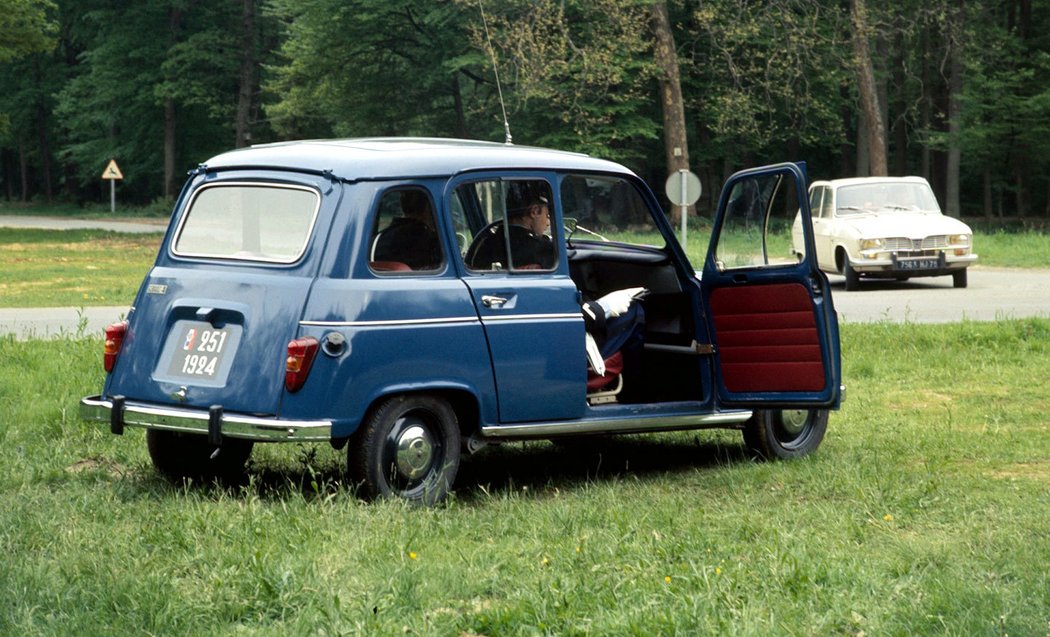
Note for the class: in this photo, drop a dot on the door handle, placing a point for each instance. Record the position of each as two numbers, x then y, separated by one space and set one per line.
496 302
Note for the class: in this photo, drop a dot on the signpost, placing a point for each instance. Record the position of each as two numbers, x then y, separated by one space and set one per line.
112 173
683 189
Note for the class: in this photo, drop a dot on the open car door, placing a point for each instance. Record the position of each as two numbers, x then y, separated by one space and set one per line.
771 317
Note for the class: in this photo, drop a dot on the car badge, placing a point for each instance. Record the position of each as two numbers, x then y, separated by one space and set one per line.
180 395
156 288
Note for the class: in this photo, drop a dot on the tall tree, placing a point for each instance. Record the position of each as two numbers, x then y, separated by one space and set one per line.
676 146
874 126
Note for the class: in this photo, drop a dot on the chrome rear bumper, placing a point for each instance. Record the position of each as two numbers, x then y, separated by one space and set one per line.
214 422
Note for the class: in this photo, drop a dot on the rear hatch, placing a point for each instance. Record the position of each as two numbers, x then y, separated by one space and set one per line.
212 321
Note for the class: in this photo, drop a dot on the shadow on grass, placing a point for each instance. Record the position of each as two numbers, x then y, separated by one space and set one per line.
566 465
495 471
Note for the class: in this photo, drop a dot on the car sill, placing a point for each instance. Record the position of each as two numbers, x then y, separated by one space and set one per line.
624 425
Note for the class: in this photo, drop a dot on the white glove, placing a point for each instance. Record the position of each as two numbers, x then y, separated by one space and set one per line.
618 302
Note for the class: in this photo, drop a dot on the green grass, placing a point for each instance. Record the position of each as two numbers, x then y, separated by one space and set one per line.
925 512
73 268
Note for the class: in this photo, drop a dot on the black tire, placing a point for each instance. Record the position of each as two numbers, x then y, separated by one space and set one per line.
781 434
959 278
852 277
408 447
179 456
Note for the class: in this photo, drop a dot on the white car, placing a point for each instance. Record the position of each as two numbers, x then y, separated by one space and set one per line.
884 227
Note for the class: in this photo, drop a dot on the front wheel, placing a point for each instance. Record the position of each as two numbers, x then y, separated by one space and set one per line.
179 456
959 278
852 277
780 434
408 447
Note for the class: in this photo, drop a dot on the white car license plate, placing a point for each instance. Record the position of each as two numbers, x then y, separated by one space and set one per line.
918 264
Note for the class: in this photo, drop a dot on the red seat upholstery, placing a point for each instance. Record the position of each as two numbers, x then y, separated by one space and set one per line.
389 266
613 367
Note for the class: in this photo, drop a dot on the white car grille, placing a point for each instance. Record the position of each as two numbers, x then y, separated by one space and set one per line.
902 244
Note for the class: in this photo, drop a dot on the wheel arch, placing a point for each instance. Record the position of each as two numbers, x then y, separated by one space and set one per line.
463 400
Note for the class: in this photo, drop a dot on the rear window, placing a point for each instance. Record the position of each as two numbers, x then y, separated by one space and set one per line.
251 222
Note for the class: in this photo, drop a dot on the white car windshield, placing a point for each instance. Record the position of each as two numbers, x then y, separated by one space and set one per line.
885 197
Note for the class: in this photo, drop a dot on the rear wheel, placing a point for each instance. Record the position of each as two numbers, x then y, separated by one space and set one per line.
408 447
959 278
785 433
179 456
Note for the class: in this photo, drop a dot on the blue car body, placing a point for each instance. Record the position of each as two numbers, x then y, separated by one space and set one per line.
504 348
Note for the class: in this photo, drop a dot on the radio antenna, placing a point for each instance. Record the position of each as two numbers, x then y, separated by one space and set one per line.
499 91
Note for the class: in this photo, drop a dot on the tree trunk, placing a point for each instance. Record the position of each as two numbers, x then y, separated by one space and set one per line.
246 77
869 97
23 166
169 148
676 147
45 151
955 88
899 128
457 101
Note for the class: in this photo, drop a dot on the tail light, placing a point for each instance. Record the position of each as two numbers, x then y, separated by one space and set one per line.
301 353
115 333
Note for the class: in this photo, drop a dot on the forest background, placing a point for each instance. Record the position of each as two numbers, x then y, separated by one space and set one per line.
953 90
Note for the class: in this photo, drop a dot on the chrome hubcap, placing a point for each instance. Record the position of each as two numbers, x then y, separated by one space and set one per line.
415 450
794 420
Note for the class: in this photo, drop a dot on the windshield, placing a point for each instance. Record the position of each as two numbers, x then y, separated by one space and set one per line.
886 196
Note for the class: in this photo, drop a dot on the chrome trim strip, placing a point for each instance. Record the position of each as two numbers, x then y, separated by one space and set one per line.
98 409
434 321
616 425
532 317
439 321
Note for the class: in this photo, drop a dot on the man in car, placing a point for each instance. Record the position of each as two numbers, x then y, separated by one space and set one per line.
528 218
411 238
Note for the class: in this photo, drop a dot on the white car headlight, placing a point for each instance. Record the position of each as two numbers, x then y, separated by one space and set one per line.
959 239
872 244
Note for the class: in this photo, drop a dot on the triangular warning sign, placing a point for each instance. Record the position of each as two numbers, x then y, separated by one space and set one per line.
112 171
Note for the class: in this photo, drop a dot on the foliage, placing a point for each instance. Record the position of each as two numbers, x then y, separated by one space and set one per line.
924 512
376 67
26 26
161 85
751 73
577 75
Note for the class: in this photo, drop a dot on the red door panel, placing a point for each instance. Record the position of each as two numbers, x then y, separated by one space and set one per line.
767 338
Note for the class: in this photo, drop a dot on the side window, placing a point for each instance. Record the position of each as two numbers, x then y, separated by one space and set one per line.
607 208
826 206
404 236
515 226
756 230
815 201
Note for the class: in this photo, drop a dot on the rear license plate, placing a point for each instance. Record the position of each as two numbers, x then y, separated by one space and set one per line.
918 264
200 352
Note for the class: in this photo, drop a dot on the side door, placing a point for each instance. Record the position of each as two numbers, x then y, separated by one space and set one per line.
514 265
771 316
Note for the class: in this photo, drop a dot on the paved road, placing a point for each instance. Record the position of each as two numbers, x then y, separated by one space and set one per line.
994 293
65 223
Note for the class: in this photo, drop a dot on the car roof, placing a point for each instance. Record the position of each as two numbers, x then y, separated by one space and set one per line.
856 181
403 157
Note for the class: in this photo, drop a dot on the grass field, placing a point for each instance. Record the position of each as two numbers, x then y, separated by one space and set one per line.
73 268
925 512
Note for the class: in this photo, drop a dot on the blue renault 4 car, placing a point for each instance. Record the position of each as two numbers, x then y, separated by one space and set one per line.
415 299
